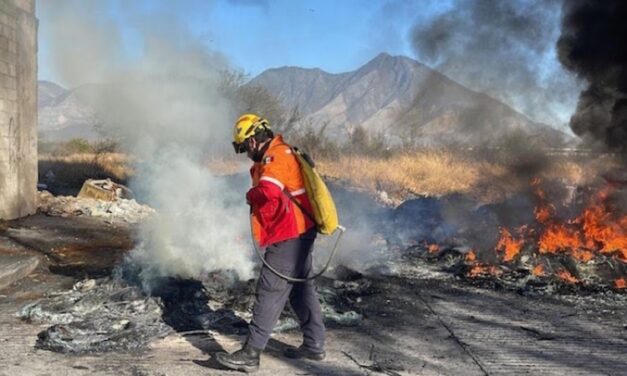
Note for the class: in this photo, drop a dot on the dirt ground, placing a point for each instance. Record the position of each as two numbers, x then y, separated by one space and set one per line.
417 322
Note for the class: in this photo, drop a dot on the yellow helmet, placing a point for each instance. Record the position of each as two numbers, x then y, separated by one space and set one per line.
247 126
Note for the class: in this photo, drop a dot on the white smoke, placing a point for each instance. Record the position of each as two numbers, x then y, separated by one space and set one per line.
165 105
200 223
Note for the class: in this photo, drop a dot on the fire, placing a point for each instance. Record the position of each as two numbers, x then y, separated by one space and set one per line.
595 230
538 271
535 183
509 245
601 230
582 255
565 276
598 230
557 238
481 270
543 213
433 248
471 256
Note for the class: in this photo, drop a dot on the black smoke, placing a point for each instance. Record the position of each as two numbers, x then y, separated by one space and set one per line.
593 45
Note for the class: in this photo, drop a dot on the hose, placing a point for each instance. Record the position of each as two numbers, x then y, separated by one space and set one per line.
292 279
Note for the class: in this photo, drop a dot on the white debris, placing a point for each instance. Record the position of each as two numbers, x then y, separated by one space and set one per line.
121 210
84 285
285 325
383 198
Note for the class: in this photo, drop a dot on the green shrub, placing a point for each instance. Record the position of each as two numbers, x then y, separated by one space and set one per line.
77 146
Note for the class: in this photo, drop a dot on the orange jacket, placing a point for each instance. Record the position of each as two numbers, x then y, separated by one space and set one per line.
275 217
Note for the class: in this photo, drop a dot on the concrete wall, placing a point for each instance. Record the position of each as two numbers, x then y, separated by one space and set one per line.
18 108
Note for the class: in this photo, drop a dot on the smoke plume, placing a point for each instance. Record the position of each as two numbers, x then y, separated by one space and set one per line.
504 49
163 102
592 45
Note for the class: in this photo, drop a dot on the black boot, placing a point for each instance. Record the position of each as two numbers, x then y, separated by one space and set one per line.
246 359
303 352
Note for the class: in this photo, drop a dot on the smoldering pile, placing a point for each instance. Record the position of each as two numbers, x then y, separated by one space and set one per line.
558 275
121 313
96 315
527 243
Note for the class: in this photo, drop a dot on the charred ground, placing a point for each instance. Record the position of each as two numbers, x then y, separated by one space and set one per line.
414 307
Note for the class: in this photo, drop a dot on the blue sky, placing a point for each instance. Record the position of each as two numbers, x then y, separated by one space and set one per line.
336 36
256 35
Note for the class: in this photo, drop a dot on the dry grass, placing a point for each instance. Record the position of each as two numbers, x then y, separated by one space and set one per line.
431 173
440 172
71 171
426 173
579 173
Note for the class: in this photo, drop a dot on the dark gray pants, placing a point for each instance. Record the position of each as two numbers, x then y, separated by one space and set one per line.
291 258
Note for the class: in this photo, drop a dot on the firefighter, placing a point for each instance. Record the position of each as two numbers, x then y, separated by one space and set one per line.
288 234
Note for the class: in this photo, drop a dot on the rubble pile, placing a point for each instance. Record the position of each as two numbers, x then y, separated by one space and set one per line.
118 211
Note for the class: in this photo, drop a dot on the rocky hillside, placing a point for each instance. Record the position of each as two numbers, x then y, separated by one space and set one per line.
394 96
48 91
402 99
62 115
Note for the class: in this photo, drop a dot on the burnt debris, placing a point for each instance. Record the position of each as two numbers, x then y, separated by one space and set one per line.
116 314
97 316
553 241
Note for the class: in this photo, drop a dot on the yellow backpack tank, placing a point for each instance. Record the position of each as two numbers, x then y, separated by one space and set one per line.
324 211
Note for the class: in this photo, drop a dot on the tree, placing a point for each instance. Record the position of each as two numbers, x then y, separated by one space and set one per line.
246 98
77 146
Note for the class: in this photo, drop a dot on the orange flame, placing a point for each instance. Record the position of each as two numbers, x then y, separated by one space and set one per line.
596 230
535 183
620 283
557 238
582 255
471 256
433 248
509 245
565 276
603 233
543 213
538 271
484 270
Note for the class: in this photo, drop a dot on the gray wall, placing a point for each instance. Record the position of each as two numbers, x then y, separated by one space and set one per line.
18 108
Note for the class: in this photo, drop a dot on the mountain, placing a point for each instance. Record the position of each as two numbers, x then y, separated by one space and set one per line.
402 99
393 96
62 115
47 92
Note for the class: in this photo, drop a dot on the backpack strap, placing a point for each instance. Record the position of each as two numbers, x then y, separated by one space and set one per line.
308 160
295 201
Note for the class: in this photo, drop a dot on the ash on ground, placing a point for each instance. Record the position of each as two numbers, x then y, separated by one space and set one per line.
97 315
118 211
116 314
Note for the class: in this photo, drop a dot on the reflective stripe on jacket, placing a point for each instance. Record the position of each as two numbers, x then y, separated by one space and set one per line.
275 217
